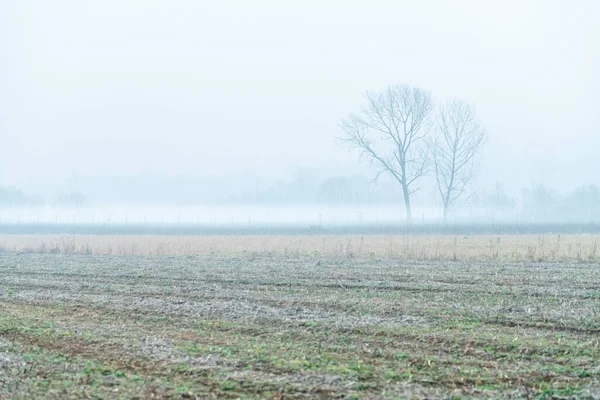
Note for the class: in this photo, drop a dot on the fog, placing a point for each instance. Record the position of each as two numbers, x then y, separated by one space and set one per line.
213 109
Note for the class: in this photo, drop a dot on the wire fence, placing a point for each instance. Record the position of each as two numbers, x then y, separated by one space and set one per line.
269 220
200 216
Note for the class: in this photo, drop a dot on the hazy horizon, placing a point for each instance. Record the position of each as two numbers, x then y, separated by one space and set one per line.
129 88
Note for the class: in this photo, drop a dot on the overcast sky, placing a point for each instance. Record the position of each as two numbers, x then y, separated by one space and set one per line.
123 87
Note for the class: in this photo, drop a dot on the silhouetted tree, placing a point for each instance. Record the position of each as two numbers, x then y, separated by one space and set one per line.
458 140
389 132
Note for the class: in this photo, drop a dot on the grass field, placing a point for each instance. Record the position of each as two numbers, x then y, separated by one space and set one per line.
255 320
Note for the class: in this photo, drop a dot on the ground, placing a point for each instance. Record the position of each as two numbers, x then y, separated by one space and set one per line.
296 325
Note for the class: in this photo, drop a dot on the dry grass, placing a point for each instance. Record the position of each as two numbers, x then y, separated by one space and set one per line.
513 248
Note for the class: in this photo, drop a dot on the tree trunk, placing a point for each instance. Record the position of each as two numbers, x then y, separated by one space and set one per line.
406 194
445 213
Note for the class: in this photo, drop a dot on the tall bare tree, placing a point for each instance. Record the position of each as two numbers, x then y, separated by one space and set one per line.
389 132
459 138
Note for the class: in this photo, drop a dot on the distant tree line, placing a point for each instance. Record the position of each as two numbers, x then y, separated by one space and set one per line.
538 203
10 196
305 188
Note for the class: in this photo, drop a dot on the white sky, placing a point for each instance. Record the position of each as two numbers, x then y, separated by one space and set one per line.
226 87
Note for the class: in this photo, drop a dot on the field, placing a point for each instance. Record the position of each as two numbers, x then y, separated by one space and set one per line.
299 317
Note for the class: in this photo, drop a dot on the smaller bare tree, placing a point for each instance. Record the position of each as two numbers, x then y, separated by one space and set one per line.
459 139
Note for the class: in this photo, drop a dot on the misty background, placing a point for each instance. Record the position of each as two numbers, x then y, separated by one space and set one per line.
209 105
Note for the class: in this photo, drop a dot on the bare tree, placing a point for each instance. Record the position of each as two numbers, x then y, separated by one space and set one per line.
459 138
389 132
